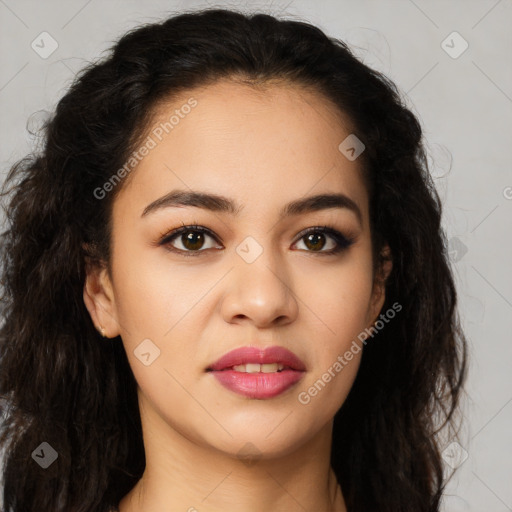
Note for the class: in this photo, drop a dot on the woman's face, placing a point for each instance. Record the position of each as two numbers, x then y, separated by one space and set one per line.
255 278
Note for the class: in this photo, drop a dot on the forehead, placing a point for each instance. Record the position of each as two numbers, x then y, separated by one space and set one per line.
277 140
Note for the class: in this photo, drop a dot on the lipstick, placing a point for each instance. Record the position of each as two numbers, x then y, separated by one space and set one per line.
258 373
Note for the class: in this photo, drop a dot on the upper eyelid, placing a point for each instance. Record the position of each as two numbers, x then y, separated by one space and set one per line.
173 233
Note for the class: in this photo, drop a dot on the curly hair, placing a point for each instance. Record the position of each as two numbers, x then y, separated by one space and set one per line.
64 384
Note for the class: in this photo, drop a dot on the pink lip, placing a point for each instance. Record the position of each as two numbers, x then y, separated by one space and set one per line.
258 385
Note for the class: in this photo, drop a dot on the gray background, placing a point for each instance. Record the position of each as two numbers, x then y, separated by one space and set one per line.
464 103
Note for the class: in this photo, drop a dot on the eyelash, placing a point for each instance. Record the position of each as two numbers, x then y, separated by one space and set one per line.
343 242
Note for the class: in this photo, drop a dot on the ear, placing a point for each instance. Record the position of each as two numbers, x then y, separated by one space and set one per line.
379 283
99 299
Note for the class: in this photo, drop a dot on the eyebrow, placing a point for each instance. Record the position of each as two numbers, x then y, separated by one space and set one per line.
217 203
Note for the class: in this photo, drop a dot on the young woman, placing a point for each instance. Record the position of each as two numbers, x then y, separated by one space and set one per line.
226 285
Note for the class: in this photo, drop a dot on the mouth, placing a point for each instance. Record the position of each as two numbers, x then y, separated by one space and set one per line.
258 373
256 368
251 359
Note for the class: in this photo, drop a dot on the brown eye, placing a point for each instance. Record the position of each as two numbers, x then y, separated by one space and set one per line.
315 240
189 240
192 240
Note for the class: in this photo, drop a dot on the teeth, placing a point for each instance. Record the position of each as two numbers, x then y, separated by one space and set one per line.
252 368
257 368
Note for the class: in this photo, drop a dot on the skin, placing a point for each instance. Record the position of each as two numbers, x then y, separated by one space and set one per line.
262 149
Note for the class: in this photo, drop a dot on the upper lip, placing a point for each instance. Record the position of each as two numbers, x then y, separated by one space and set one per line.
255 355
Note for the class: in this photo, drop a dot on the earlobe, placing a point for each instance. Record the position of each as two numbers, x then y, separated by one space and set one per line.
100 301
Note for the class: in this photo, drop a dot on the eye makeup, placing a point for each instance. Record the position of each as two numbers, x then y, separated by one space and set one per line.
168 238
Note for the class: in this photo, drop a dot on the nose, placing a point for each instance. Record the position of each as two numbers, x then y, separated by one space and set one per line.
260 292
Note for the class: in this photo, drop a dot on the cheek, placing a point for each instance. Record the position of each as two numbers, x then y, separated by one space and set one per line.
337 301
157 302
341 315
150 297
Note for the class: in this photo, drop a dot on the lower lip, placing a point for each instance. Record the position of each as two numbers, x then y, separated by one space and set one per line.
258 385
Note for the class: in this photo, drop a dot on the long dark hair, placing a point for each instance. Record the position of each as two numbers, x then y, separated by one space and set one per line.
63 384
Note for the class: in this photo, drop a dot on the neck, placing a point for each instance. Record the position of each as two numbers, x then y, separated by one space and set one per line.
183 474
